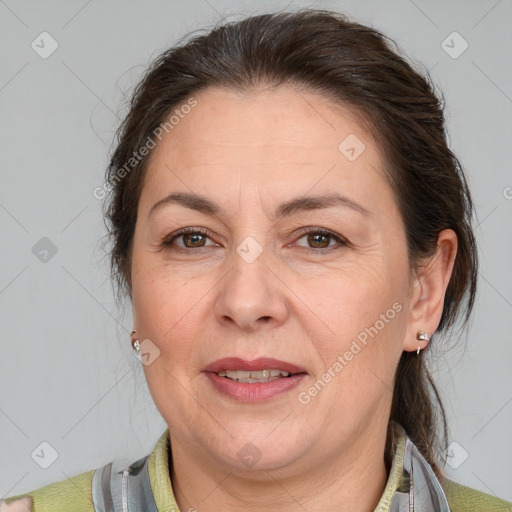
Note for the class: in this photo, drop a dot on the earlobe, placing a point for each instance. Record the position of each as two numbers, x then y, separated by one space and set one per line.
421 336
432 279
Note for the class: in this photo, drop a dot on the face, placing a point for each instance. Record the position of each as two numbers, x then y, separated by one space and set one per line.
294 259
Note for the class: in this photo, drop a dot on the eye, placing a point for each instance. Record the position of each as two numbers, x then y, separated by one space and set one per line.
191 238
319 239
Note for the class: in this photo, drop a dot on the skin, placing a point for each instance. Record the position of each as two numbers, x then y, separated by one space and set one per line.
249 152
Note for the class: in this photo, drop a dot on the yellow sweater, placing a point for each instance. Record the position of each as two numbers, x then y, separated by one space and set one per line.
75 494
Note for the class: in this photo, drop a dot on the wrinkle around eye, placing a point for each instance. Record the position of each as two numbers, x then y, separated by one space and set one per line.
347 231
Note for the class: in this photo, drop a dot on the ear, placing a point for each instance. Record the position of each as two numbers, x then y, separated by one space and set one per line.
428 289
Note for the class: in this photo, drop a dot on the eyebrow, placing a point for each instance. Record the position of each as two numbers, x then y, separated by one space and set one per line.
295 205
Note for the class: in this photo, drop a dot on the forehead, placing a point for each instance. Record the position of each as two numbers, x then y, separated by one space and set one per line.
285 121
277 140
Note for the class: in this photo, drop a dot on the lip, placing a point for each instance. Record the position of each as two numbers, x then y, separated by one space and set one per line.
256 391
262 363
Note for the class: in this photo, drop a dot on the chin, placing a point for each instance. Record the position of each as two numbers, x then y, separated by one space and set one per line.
260 451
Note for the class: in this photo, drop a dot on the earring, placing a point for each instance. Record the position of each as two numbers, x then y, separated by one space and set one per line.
421 336
135 343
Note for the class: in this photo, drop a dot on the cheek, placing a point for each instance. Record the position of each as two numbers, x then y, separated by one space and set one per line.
354 298
360 358
170 310
367 321
160 295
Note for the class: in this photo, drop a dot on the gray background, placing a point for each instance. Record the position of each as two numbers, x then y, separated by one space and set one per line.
67 374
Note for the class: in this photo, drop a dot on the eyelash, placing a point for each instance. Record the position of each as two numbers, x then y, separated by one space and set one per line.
168 242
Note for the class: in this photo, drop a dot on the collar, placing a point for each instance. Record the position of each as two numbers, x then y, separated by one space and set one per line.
412 484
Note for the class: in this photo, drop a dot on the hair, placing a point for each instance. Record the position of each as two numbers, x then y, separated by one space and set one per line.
352 65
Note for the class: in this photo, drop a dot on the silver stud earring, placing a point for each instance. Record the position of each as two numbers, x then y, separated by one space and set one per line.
135 343
421 336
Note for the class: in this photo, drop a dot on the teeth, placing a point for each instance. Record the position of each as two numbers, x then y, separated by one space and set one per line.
253 376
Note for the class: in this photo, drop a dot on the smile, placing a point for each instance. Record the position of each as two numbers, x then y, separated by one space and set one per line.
251 377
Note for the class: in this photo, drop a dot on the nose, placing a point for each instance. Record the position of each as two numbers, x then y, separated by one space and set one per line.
251 296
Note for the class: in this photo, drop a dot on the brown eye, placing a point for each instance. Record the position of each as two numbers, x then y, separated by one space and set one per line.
319 240
193 239
188 238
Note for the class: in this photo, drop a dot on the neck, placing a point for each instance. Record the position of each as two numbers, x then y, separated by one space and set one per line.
349 481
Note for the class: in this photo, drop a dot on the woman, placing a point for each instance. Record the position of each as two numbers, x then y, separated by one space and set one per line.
294 235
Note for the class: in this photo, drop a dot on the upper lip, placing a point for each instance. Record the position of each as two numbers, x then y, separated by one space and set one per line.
262 363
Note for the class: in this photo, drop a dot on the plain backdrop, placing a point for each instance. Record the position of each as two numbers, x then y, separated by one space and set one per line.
67 374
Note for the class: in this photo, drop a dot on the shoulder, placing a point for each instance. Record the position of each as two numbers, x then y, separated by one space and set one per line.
71 494
76 493
465 499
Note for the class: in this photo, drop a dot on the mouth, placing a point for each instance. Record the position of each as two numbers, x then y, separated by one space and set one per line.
253 381
251 377
263 369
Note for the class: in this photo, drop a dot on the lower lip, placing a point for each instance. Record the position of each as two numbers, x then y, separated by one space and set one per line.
256 391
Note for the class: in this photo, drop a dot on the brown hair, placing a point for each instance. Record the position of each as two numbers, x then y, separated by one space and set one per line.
353 65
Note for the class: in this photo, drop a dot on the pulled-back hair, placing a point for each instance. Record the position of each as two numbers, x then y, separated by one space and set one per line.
352 65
